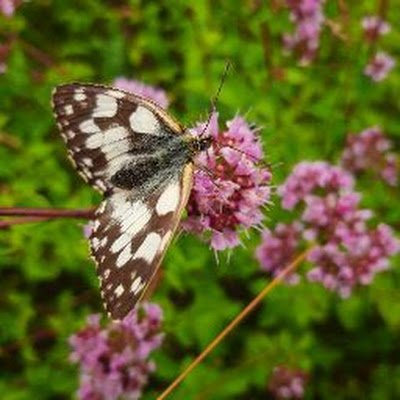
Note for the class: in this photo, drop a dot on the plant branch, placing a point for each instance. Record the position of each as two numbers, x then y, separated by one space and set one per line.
85 213
383 6
36 53
246 311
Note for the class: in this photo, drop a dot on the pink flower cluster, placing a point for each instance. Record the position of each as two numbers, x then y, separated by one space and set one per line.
7 7
374 27
379 66
381 63
346 252
230 188
287 383
371 150
342 264
309 176
308 17
150 92
114 361
279 248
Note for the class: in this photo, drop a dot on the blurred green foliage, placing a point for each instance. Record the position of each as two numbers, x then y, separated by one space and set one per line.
350 348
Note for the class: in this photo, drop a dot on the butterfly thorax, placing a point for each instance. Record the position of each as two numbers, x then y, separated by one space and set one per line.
155 160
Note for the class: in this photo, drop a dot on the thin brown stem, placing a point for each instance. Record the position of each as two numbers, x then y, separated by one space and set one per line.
85 213
37 54
383 6
9 141
246 311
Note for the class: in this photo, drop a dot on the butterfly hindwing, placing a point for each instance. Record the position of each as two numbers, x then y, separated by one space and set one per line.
129 240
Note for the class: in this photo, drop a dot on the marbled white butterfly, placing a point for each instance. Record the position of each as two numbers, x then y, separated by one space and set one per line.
140 159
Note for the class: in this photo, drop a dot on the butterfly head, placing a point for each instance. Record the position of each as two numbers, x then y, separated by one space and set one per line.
199 144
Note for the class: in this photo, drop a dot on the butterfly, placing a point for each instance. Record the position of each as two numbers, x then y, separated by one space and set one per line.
141 160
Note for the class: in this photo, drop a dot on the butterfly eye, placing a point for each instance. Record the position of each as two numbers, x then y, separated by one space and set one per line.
197 145
205 143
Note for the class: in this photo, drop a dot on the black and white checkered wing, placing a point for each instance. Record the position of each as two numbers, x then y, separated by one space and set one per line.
101 126
117 142
129 240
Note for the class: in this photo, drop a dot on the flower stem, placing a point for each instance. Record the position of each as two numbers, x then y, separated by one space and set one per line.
383 6
246 311
85 213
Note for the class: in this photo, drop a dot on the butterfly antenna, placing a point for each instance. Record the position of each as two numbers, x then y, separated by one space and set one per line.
215 99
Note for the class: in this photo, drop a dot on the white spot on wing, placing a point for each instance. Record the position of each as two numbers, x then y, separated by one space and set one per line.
87 161
149 248
98 183
132 218
119 290
102 207
95 243
112 142
119 203
79 95
144 121
137 285
117 94
116 149
88 126
115 134
117 162
124 257
96 225
70 134
169 199
68 110
106 106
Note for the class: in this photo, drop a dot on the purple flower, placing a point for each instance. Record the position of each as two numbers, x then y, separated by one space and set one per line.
379 66
310 176
229 187
325 216
287 383
149 92
370 150
347 251
308 17
114 361
341 265
7 7
278 248
87 229
374 26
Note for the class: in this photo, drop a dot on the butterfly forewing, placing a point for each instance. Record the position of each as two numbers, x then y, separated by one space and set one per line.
101 125
126 147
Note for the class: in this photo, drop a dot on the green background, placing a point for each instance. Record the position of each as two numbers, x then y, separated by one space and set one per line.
350 348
